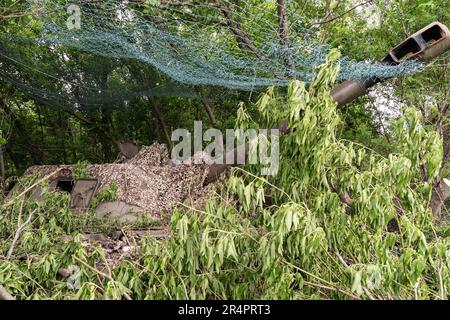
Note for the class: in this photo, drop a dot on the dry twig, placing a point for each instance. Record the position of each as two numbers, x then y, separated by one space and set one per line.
19 230
33 186
101 274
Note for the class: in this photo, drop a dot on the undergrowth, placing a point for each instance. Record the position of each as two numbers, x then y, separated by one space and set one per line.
338 221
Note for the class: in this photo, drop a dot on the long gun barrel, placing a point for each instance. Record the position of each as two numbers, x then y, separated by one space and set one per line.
424 45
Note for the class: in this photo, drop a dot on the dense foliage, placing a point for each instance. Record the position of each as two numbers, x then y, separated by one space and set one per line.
340 221
347 217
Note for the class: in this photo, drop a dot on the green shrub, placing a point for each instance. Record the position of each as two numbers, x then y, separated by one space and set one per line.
80 170
107 194
338 222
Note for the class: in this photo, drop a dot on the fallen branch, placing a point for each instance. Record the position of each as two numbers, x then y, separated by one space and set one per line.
102 274
328 285
19 230
321 286
33 186
341 259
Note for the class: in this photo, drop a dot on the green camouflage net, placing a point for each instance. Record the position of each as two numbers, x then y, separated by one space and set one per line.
228 44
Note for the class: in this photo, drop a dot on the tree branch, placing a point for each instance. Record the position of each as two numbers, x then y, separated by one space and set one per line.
342 14
240 35
19 230
283 34
33 186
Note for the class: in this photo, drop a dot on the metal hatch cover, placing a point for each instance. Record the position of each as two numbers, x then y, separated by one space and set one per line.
82 193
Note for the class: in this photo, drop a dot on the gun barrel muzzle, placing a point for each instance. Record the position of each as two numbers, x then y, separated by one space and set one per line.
424 45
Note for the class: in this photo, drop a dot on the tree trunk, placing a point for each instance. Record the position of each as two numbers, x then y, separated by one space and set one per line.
36 152
155 109
61 136
2 169
283 34
210 112
105 120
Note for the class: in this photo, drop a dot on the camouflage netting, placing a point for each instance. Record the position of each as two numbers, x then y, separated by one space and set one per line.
223 44
149 180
